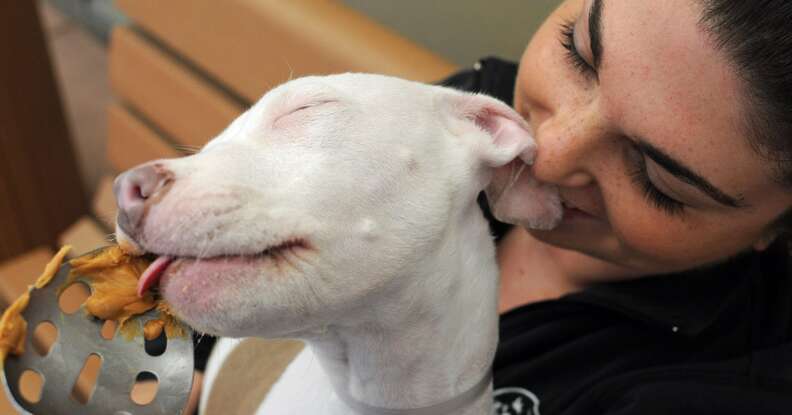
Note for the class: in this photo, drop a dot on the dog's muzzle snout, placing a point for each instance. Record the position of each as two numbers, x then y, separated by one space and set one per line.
136 189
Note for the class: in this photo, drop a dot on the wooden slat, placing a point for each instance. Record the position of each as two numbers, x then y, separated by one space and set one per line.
182 104
253 45
131 142
104 203
19 272
84 236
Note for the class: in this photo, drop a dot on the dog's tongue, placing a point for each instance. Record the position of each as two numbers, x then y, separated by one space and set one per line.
152 274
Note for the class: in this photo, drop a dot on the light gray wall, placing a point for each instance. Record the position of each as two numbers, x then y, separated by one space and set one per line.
462 30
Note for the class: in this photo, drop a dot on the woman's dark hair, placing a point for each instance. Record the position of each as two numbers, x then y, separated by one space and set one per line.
756 36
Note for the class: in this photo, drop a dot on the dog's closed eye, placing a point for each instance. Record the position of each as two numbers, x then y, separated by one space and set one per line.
301 109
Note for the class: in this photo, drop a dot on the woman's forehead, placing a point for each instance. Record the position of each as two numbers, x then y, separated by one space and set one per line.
662 79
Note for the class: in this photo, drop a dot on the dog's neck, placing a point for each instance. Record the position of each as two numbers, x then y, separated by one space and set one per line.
429 342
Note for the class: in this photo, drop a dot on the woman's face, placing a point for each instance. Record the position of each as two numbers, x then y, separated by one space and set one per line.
640 126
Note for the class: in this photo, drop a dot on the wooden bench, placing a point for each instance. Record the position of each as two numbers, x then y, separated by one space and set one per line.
186 68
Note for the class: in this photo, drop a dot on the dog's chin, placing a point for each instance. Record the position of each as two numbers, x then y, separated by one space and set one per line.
207 293
228 296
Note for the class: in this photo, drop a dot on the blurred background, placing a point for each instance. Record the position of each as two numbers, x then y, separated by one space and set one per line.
90 88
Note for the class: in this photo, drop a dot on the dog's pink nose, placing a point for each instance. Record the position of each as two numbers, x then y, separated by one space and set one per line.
136 188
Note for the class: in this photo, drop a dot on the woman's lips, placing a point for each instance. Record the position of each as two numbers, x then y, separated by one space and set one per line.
572 213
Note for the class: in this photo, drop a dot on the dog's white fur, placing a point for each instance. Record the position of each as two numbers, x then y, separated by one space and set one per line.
397 296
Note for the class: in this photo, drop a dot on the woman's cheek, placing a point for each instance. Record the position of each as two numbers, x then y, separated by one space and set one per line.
654 236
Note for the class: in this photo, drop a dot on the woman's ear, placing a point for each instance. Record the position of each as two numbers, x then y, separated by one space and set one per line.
506 135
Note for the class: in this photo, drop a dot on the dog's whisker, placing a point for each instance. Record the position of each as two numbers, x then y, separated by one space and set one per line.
316 296
291 70
205 249
186 148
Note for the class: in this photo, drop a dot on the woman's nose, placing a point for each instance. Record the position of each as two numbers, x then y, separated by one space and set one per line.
136 188
567 146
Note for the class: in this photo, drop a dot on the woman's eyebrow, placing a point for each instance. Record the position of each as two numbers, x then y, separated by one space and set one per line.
595 32
687 175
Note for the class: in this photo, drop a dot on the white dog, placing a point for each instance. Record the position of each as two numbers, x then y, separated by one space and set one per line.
341 210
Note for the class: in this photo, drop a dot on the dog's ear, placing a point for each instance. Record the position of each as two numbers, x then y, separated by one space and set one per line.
514 196
508 134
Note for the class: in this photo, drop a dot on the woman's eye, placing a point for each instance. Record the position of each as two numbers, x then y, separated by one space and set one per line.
652 194
574 57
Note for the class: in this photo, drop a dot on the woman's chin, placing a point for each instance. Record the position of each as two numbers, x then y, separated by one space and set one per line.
597 245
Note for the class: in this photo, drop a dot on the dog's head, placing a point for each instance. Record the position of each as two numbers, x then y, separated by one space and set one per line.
325 193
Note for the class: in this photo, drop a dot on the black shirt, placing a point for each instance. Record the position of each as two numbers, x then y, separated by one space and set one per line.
714 340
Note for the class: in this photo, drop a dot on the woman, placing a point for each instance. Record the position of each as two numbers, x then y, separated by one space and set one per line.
666 126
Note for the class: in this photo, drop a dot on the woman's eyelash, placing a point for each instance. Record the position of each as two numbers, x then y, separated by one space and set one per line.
652 194
572 54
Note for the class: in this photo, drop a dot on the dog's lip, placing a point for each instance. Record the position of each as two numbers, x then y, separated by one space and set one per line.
153 273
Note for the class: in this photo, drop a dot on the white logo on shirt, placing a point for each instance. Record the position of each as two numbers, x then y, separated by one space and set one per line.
514 401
